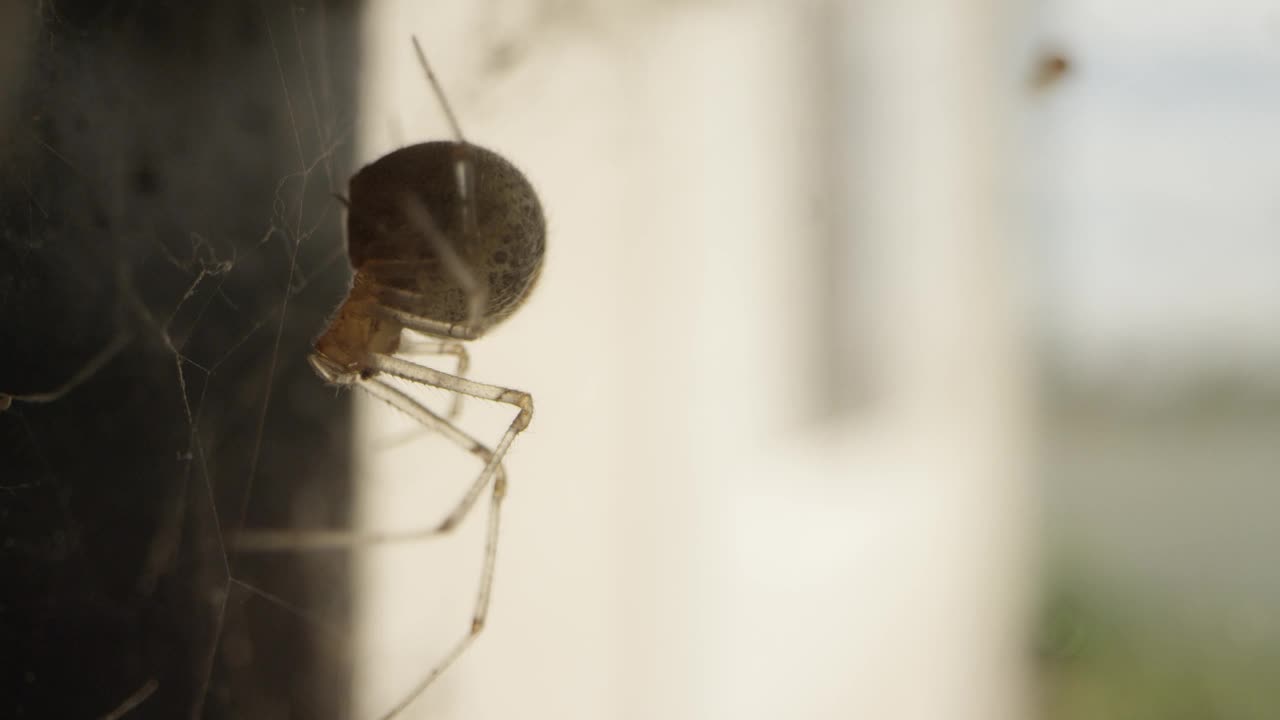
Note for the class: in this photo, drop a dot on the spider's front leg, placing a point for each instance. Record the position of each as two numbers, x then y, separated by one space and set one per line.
291 540
494 393
442 347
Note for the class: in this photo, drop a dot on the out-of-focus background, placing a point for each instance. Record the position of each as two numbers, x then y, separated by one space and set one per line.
903 360
779 465
899 360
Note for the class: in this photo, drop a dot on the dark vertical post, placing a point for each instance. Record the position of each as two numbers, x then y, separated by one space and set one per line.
166 223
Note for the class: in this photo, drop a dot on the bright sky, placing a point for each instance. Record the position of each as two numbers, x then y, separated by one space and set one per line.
1159 229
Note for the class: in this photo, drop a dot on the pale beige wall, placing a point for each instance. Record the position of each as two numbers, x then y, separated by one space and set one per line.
682 540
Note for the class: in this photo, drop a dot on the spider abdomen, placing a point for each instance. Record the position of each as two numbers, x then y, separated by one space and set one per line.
503 253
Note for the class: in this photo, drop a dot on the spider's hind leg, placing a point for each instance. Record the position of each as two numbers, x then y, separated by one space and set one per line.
464 172
291 540
493 460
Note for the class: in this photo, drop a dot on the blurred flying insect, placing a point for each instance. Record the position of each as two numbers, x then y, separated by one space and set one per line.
1050 69
446 240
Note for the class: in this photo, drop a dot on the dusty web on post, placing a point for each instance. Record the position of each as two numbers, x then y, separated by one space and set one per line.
290 228
174 300
228 374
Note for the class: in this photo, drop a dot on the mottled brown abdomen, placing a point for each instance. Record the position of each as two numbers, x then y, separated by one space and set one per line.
504 253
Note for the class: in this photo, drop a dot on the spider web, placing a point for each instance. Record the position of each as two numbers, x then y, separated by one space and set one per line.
167 197
170 251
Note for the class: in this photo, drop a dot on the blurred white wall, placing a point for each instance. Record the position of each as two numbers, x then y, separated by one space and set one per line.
684 537
1156 168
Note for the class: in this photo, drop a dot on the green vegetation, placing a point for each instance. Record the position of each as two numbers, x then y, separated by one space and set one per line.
1104 656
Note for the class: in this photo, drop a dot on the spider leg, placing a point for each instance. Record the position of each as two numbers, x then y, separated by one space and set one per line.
419 324
397 398
93 365
442 347
401 401
463 169
494 393
405 306
269 540
477 293
138 697
278 540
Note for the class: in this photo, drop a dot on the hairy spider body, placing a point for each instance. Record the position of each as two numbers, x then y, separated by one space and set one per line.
420 249
446 240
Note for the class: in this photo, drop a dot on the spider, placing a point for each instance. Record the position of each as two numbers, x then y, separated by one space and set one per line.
446 240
